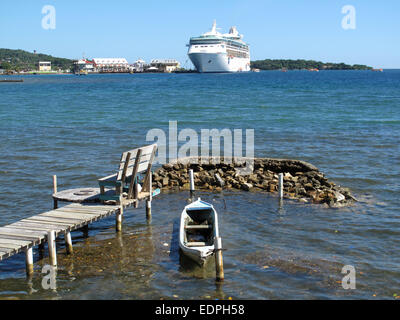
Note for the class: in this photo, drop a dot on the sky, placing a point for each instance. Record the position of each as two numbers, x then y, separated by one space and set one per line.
157 29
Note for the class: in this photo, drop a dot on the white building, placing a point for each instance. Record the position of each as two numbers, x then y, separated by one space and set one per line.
111 64
84 65
138 65
165 65
44 66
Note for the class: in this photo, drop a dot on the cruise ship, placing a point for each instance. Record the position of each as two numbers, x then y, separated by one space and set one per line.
217 52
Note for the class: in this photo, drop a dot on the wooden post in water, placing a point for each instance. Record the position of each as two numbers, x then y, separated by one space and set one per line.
51 242
148 202
136 193
68 241
55 202
219 263
191 179
280 185
118 219
29 261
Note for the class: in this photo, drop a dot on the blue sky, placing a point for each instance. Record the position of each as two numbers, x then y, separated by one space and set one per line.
287 29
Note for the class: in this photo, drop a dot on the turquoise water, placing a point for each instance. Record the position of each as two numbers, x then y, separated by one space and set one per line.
347 123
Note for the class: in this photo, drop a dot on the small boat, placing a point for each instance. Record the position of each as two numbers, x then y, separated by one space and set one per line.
198 228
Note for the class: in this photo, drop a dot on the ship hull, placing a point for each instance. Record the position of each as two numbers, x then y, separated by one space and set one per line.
218 62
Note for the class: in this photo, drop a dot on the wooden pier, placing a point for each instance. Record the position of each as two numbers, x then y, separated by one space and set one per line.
24 235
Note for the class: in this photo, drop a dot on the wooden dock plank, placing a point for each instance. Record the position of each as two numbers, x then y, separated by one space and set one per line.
13 241
61 219
9 246
68 214
22 231
32 231
80 211
48 220
39 226
71 217
42 228
30 240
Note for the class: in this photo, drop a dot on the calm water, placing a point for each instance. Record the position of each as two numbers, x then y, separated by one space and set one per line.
345 123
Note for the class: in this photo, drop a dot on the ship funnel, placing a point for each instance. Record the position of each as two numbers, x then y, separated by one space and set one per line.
233 31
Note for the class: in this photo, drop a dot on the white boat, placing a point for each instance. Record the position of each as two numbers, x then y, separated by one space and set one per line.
198 228
217 52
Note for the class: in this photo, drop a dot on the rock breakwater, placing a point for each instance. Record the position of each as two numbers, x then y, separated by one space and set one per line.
301 180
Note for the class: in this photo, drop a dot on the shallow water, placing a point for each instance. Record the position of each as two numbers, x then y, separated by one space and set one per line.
345 123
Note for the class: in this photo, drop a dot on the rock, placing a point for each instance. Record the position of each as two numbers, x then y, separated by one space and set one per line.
273 187
186 186
339 196
302 181
246 186
168 166
165 182
287 176
309 186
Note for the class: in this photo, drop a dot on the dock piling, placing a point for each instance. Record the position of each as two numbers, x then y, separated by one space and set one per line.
148 202
118 219
280 185
219 264
29 261
55 202
51 241
191 179
68 241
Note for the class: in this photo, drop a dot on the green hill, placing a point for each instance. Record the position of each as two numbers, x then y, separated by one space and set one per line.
23 60
269 64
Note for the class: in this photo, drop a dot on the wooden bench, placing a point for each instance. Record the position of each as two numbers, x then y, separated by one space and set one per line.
123 186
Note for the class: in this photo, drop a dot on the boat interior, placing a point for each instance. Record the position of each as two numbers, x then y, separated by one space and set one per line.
199 228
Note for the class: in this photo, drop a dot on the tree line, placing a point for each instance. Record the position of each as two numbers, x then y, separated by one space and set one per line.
277 64
19 60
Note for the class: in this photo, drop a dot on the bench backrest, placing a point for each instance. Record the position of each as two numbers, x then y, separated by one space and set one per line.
137 161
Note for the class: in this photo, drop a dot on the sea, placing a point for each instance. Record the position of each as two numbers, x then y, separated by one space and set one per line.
346 123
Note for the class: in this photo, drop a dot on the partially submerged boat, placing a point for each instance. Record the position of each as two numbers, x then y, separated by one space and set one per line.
198 229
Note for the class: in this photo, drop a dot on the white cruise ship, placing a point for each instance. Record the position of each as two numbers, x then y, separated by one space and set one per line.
217 52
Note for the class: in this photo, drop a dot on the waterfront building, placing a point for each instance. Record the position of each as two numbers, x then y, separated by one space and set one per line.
84 65
111 64
165 65
44 66
139 65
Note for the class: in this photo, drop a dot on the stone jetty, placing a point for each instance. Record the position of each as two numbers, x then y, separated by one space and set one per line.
301 180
